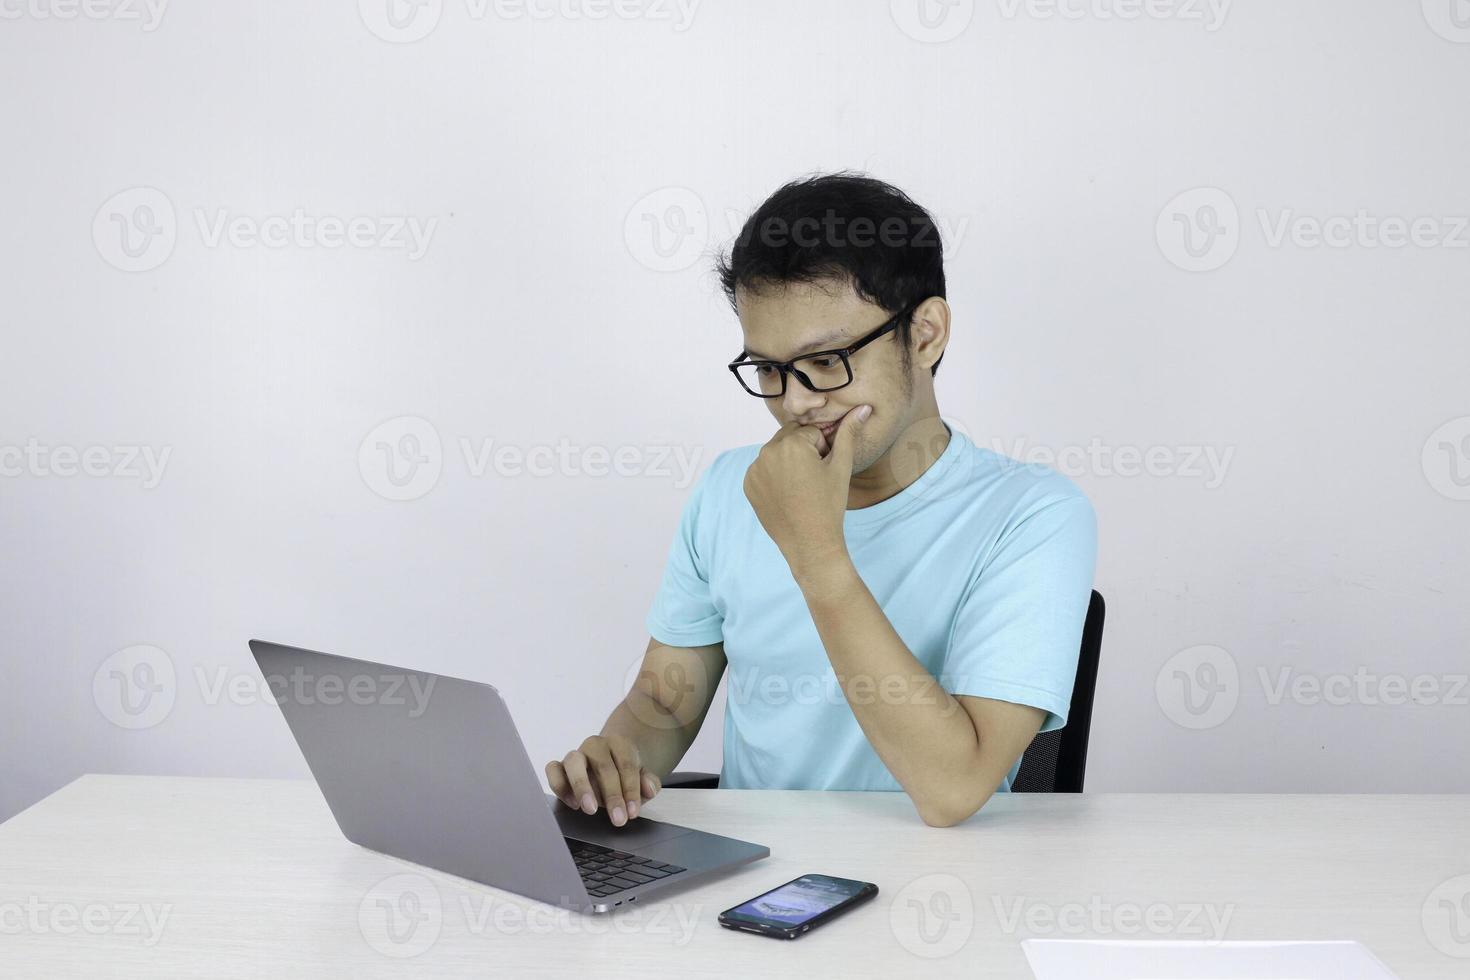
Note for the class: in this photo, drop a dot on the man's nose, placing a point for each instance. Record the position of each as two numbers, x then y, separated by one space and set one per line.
799 400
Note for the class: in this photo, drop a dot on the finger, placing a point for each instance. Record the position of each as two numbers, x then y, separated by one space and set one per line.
556 776
650 785
576 766
845 438
606 775
625 757
810 434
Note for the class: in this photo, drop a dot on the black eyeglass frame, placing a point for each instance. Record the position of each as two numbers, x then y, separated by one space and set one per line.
789 367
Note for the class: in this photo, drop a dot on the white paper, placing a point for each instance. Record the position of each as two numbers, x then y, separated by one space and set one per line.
1086 959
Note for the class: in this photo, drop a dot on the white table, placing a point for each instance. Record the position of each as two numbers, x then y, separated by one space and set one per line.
250 878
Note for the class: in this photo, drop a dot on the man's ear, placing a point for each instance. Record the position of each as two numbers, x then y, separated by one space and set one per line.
929 332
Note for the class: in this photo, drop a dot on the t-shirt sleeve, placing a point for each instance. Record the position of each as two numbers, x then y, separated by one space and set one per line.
683 613
1018 630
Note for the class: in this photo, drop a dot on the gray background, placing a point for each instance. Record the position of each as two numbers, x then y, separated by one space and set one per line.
545 312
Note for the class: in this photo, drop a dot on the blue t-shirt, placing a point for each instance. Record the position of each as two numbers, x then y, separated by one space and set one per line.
983 565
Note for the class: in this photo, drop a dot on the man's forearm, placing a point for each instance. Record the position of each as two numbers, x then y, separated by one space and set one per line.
923 735
662 739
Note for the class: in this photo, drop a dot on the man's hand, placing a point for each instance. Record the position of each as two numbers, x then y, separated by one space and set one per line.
798 487
604 772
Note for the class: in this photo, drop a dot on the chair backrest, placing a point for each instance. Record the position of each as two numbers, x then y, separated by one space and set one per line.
1056 762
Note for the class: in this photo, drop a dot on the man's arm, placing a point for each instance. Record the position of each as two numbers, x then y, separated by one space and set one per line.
645 736
948 753
668 703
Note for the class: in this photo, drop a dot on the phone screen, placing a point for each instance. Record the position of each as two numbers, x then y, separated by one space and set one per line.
797 901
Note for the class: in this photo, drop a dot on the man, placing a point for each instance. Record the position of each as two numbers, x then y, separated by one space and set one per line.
899 608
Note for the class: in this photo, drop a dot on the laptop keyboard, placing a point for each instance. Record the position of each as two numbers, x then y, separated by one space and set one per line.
606 871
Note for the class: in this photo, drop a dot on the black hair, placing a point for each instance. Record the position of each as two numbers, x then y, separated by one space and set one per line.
847 227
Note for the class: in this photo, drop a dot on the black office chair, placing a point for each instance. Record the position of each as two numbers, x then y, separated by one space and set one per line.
1054 762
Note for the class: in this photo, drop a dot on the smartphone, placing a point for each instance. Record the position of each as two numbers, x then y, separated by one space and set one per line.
798 906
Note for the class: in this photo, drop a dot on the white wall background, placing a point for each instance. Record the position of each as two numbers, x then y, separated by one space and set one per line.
542 313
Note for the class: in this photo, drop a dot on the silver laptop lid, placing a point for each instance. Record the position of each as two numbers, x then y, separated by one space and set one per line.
423 767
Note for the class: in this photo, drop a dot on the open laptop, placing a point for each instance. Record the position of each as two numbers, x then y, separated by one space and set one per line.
431 769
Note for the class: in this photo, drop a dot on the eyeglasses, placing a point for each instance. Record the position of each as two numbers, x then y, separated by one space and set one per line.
823 370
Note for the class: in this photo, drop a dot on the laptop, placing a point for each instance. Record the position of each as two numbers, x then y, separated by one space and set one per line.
431 769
